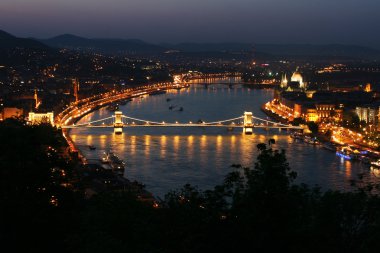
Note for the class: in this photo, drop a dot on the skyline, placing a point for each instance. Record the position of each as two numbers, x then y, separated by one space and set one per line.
171 21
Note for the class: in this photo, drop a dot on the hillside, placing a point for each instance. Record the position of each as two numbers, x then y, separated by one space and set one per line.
8 41
102 45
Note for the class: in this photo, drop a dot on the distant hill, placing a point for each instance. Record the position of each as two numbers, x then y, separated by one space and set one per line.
8 41
211 47
319 50
332 50
132 46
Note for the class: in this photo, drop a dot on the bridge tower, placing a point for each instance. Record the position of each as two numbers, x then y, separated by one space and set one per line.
248 123
118 123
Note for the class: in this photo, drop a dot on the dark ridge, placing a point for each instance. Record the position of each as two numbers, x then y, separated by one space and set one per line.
8 41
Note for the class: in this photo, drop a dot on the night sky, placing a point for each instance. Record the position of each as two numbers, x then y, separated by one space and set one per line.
257 21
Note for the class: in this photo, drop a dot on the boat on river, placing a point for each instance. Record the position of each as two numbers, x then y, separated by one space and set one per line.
113 107
113 162
296 135
348 153
181 86
311 140
105 158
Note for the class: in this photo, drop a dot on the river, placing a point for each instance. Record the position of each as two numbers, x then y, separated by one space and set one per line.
167 158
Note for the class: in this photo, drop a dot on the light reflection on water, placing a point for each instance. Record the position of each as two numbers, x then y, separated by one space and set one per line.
167 158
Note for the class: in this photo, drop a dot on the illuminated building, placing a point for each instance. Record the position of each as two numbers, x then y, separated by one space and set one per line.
300 106
368 87
37 118
284 82
12 112
296 82
325 111
310 93
37 103
370 114
297 78
311 115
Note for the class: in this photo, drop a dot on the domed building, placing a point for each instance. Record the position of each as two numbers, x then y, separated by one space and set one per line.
297 77
296 82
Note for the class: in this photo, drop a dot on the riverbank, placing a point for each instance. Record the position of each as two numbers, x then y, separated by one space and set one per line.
273 116
373 155
259 86
96 179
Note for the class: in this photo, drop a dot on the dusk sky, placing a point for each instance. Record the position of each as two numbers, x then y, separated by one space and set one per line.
254 21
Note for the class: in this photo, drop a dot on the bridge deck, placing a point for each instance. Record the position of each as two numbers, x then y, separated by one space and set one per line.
183 125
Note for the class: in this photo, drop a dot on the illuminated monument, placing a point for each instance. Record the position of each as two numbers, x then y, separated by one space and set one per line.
38 118
297 78
296 82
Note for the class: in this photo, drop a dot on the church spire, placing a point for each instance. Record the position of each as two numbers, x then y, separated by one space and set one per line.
35 98
76 88
284 81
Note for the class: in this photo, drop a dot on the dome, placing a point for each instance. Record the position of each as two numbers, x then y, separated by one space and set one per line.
297 77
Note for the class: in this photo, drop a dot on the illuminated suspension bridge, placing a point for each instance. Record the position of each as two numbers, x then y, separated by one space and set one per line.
119 121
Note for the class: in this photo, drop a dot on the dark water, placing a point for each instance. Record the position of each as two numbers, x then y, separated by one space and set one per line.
167 158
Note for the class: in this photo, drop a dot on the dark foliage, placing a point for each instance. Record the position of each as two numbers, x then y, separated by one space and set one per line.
36 211
259 209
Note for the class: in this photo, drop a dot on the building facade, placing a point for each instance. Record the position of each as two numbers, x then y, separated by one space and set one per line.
369 114
38 118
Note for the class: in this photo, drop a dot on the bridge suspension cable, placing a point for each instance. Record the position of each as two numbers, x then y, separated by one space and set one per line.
222 121
142 120
275 123
163 123
95 121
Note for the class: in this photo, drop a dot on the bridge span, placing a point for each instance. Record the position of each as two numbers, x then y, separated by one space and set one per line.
247 122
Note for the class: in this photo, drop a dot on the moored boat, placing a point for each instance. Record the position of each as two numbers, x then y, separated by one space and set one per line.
296 135
113 161
105 158
311 140
113 107
348 153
